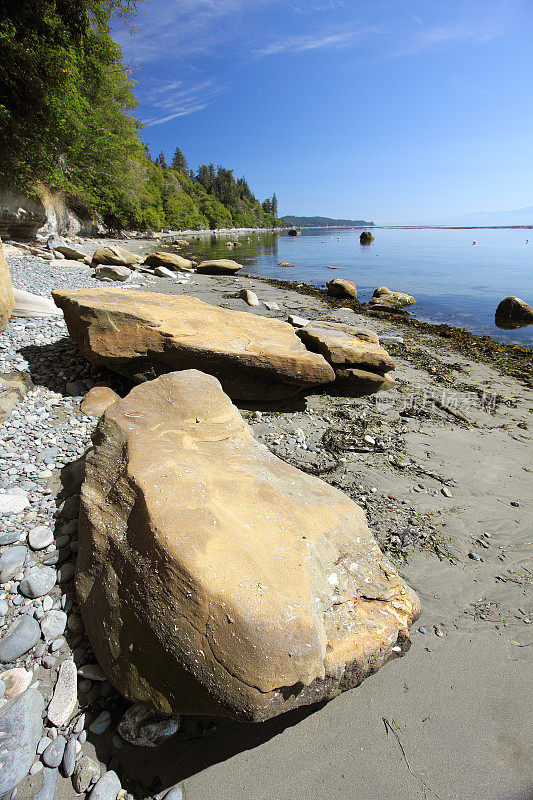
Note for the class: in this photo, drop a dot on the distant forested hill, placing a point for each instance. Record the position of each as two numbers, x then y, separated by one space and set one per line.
67 125
325 222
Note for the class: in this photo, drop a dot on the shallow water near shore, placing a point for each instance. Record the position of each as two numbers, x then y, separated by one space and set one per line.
453 280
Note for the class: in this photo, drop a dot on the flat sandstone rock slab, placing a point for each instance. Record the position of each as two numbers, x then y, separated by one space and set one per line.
144 334
214 578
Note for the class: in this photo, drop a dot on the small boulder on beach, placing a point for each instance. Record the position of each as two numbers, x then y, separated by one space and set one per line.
218 266
114 255
171 261
387 299
342 287
112 272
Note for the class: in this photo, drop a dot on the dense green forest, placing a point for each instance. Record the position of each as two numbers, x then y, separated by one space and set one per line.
66 122
324 222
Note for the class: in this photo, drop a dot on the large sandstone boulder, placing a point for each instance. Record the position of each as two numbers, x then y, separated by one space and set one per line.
513 312
114 255
218 266
342 287
144 334
214 578
7 301
169 260
360 362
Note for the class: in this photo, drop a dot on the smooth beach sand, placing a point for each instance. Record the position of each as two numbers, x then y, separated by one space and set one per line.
454 717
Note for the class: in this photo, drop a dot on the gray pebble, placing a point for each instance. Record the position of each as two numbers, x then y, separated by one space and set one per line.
53 755
107 787
20 729
48 788
38 583
40 537
53 624
20 637
85 771
69 758
174 794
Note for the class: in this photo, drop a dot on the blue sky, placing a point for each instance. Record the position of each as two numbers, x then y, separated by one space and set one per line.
391 110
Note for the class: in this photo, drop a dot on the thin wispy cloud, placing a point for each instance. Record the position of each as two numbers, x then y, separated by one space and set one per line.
301 44
447 35
175 99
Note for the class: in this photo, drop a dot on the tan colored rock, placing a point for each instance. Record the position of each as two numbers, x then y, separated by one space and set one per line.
249 297
360 362
70 252
114 255
286 264
97 400
169 260
111 272
144 334
13 387
342 287
345 345
197 604
357 382
385 297
218 266
7 301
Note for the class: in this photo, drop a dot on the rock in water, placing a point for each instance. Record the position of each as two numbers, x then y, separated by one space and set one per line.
342 287
513 313
144 334
198 604
366 237
169 260
20 730
7 301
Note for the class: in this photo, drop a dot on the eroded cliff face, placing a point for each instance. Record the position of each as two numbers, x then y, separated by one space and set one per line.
22 217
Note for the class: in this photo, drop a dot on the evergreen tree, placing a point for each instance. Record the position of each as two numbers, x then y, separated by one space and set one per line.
160 161
179 162
274 205
267 206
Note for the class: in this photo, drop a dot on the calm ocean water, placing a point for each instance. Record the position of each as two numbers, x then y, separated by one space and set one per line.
452 280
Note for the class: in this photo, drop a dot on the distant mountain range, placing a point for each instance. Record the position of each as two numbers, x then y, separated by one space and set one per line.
325 222
517 216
